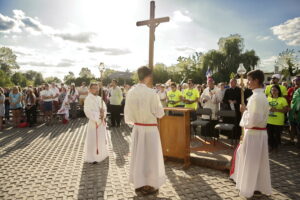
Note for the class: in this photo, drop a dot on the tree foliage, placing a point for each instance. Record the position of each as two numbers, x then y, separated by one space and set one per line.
4 79
19 79
288 63
8 60
86 73
52 79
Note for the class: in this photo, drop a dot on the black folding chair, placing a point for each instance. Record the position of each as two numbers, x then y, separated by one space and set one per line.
202 123
226 126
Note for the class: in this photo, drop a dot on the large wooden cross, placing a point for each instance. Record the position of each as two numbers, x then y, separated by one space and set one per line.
152 23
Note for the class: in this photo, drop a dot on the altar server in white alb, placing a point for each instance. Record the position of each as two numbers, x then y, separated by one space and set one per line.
142 108
251 164
95 148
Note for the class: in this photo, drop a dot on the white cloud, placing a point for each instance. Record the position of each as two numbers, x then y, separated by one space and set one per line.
6 23
33 25
289 31
176 20
108 51
76 37
263 38
179 16
36 64
189 49
267 64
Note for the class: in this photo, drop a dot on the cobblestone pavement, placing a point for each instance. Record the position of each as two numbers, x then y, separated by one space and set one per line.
47 163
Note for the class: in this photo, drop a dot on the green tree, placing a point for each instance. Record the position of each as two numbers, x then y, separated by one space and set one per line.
52 79
4 79
68 79
38 79
288 63
8 60
86 73
19 79
227 58
160 73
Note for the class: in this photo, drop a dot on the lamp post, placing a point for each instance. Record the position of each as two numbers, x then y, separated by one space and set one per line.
101 68
242 71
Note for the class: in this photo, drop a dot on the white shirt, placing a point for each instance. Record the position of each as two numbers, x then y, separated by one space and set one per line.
72 97
142 105
116 96
257 111
162 95
55 92
47 93
212 99
83 90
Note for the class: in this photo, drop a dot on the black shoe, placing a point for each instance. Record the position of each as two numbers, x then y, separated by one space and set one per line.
94 163
257 193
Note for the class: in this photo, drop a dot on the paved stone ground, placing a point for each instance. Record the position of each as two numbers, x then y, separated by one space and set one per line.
47 163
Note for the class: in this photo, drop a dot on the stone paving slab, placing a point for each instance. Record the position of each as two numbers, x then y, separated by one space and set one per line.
47 163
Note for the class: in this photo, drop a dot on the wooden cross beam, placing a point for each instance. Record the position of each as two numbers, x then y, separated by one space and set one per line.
152 23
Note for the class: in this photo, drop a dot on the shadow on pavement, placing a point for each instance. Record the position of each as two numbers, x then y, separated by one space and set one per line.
119 142
186 181
285 174
25 136
93 180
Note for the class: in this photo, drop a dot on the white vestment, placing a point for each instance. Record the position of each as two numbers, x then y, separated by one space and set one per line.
65 107
146 165
252 168
212 99
96 137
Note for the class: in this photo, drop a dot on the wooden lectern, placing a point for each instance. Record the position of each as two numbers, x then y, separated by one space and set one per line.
174 129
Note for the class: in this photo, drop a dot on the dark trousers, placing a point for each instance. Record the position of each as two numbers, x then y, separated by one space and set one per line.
115 115
274 135
73 110
31 115
7 112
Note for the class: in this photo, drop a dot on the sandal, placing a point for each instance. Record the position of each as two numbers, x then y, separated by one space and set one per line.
147 190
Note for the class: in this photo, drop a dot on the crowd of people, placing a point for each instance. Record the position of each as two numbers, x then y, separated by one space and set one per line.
283 101
25 105
270 108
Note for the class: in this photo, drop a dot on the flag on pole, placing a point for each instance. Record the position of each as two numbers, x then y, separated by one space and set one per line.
208 73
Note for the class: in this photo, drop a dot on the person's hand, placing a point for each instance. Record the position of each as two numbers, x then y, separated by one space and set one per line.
101 113
242 108
242 84
272 109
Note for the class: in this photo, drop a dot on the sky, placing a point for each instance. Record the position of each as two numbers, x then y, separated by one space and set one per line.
58 36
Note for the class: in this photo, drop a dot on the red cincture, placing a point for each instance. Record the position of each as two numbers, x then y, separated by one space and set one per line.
258 128
141 124
97 151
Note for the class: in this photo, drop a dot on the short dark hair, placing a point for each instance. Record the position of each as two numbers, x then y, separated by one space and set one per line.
114 80
143 72
258 75
279 90
173 84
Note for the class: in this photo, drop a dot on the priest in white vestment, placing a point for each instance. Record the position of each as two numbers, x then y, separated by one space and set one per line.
95 147
210 98
142 108
251 168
